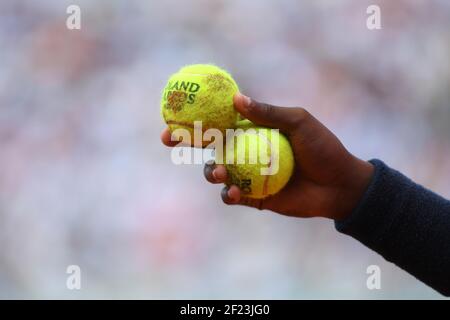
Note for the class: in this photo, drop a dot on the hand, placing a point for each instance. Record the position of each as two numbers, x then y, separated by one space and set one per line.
328 181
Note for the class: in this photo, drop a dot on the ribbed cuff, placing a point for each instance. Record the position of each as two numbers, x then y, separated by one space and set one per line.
406 223
376 211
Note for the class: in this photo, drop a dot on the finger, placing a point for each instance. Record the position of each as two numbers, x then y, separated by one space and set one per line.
232 195
170 140
166 138
215 173
250 202
284 118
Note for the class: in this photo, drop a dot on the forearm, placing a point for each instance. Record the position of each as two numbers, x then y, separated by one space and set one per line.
405 223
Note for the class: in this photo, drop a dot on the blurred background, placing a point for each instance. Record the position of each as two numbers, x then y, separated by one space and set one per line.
84 179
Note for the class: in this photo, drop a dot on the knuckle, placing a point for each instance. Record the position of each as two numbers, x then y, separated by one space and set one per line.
263 109
299 117
267 109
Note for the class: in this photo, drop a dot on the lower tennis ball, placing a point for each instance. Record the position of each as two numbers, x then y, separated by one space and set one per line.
199 92
262 161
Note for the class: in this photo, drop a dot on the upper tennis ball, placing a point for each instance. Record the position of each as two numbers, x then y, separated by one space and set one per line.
199 92
260 161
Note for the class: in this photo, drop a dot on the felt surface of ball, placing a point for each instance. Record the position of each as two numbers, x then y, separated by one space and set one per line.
248 176
199 92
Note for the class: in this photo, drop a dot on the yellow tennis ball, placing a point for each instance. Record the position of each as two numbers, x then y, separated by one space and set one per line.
199 92
273 166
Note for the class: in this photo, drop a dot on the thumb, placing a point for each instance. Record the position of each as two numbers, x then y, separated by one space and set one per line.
284 118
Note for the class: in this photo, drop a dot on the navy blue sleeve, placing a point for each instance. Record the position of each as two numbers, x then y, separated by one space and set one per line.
405 223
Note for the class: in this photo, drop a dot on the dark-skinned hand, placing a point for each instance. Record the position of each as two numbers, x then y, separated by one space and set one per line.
328 181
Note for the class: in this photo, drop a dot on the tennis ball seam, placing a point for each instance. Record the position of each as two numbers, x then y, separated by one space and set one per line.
265 191
210 101
207 75
180 123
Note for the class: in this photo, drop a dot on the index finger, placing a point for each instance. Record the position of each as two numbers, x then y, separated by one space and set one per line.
166 139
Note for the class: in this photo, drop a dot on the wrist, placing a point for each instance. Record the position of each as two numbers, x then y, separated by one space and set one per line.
355 184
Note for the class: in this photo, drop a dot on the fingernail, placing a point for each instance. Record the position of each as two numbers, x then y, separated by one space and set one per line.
229 195
245 101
